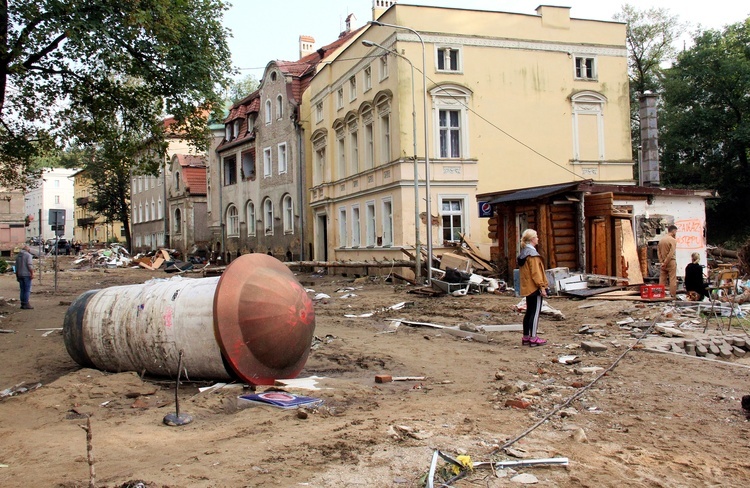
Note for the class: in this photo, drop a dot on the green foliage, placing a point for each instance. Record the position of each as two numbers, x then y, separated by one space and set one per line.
239 89
3 266
68 68
706 126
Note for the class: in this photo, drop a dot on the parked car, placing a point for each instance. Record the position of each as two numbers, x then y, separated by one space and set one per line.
62 245
35 241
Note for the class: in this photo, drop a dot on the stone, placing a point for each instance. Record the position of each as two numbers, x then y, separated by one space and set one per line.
593 346
525 479
499 375
533 392
713 349
740 342
676 348
738 351
701 350
517 403
568 412
711 356
725 351
579 436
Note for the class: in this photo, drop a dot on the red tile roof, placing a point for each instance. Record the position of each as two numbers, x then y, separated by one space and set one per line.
193 173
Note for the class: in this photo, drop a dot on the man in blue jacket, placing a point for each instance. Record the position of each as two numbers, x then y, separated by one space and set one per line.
24 275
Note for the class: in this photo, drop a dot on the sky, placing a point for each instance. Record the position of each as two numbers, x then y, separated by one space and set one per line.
264 31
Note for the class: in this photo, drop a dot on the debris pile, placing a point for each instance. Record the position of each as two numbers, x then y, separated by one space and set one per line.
724 347
166 259
115 256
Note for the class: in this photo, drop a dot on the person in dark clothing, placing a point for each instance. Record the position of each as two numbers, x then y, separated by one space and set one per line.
533 286
24 275
694 278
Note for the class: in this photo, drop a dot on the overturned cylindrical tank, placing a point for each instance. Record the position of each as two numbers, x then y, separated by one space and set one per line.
255 323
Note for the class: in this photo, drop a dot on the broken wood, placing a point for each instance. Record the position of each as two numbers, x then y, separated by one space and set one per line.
386 378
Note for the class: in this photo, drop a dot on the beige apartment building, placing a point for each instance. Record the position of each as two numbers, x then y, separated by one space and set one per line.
90 227
512 101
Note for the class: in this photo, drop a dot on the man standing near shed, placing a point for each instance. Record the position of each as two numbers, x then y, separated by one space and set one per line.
666 252
24 275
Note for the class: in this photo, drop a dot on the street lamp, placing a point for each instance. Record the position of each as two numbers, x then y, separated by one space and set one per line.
418 246
426 144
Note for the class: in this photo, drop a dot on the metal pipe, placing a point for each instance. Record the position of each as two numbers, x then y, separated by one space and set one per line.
254 323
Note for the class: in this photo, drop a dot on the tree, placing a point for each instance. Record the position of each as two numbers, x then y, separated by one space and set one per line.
136 59
650 36
706 125
239 89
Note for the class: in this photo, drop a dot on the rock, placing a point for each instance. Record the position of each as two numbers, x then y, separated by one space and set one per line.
511 389
517 403
676 348
301 414
579 435
525 479
593 346
701 350
568 412
713 349
533 392
711 356
725 351
738 351
499 375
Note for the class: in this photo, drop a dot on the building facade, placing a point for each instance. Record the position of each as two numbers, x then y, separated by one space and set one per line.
258 169
54 191
188 205
90 227
512 101
13 220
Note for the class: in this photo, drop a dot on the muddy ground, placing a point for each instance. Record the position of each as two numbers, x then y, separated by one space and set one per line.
655 420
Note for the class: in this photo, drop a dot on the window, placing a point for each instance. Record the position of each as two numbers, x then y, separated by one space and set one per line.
354 146
267 162
369 147
451 212
387 223
343 238
268 112
341 154
368 78
450 109
352 88
151 179
588 126
250 123
236 129
159 209
135 214
356 233
385 130
140 212
288 212
268 216
57 199
383 67
148 214
279 107
585 68
177 226
233 221
450 133
228 132
448 59
340 98
250 217
177 181
370 224
248 165
153 209
135 186
319 141
282 158
56 183
230 171
319 112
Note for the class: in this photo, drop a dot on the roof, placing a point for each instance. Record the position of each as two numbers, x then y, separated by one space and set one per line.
193 173
588 186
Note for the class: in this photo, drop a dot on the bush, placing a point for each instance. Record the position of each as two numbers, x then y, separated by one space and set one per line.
4 266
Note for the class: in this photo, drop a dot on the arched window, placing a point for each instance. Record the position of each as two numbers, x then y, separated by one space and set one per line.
279 107
588 126
177 181
153 209
268 216
250 216
267 116
160 209
177 228
233 221
288 211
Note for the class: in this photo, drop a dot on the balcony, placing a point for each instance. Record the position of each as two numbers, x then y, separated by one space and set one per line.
86 221
83 201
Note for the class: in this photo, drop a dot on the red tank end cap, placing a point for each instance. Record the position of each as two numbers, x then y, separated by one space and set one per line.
263 319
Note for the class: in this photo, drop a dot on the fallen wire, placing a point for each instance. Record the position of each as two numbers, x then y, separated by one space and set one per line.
579 392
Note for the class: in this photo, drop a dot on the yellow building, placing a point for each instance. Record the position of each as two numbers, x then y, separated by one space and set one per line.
512 101
90 227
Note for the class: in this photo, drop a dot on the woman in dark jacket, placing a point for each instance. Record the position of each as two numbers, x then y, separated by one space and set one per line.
533 286
694 277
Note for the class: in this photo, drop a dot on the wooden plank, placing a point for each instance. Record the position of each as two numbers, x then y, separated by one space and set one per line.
567 256
562 224
565 232
561 217
157 263
562 240
565 248
630 253
165 255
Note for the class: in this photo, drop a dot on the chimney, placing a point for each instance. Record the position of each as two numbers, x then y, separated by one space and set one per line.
306 46
349 22
649 160
380 6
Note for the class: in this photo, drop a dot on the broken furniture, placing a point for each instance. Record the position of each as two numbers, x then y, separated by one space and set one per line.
254 323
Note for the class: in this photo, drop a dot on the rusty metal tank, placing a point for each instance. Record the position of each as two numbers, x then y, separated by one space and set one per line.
254 323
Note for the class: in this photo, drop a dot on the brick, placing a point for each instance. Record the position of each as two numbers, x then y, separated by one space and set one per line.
517 403
383 378
593 346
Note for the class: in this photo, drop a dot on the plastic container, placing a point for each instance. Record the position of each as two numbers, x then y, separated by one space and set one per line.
649 292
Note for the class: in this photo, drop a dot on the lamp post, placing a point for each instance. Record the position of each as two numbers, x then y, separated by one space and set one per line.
418 245
426 144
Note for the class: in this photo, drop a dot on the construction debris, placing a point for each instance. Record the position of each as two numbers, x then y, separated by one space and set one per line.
116 256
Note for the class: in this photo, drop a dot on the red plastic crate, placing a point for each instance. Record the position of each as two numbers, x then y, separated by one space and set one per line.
652 291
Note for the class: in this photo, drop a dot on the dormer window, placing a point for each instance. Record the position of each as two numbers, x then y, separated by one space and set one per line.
228 132
236 129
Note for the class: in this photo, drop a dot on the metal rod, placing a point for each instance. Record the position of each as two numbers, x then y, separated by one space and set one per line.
177 384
